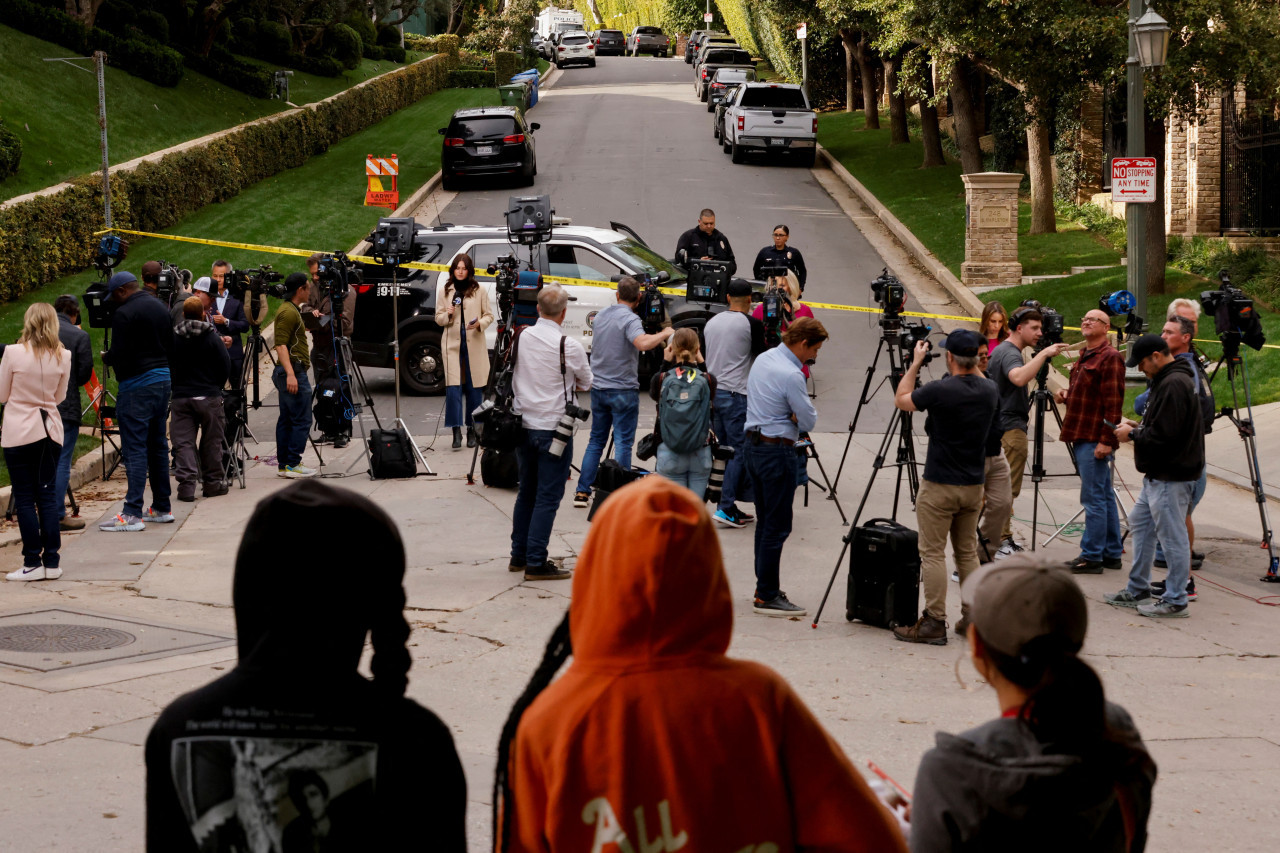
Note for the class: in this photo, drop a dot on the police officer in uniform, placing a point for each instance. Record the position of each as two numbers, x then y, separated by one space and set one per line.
781 255
705 242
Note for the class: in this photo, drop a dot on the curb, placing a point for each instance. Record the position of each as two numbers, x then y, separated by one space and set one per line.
958 290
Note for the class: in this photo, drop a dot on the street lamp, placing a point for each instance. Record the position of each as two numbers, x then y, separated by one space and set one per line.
1148 48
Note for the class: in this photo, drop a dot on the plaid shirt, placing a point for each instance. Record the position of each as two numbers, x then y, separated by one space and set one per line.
1096 393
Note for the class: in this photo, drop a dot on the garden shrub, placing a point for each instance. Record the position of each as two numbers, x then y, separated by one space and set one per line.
344 45
52 235
235 73
394 53
471 78
10 152
274 40
364 28
505 64
153 25
388 36
449 45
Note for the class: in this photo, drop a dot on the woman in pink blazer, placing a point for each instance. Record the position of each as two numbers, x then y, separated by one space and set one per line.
33 381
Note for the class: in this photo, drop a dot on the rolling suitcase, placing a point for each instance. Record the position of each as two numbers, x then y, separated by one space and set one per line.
609 478
884 574
391 454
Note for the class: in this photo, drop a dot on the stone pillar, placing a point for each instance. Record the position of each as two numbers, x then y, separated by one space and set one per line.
991 229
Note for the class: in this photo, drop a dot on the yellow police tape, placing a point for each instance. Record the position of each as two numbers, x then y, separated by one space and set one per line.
577 282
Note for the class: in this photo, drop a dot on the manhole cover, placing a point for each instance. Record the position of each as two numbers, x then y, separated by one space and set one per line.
62 638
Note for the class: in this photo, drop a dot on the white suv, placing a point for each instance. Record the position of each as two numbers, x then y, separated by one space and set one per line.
575 47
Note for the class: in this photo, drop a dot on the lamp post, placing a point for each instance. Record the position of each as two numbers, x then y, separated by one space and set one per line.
1148 48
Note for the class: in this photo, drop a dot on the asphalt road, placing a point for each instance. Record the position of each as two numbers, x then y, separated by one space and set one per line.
627 141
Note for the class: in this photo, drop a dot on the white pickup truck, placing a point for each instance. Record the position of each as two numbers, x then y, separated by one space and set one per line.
770 117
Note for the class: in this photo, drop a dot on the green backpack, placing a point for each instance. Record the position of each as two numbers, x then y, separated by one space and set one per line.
684 409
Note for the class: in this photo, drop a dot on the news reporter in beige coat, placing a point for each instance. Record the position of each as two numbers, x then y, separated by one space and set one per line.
463 313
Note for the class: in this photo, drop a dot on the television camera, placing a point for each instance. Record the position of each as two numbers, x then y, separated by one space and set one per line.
529 219
653 307
891 295
708 280
1051 327
336 273
1235 320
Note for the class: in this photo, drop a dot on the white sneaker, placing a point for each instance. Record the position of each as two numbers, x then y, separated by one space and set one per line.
150 514
29 573
955 576
295 472
122 523
1007 549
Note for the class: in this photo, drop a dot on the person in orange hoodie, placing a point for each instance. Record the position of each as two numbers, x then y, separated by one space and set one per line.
654 740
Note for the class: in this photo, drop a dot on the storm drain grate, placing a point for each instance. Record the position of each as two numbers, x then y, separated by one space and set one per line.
57 639
61 638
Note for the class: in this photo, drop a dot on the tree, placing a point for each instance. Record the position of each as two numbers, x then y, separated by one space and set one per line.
84 11
206 18
392 12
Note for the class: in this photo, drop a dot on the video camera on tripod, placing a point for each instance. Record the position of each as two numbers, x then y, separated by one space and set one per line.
1051 325
653 307
335 274
250 285
775 308
891 295
170 281
708 280
1235 320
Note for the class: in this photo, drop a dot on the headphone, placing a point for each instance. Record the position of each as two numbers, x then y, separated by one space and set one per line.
1020 314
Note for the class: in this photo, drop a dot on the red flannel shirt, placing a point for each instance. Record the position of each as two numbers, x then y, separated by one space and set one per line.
1096 393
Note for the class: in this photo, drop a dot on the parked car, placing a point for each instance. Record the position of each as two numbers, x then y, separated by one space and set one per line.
713 40
715 59
598 254
724 77
770 117
648 40
610 42
719 102
575 48
490 141
695 40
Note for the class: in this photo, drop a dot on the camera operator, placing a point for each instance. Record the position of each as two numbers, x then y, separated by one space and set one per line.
549 367
227 314
290 378
199 366
781 255
704 242
778 410
202 291
1012 374
76 340
323 346
141 345
734 339
173 302
1095 395
618 338
1168 448
950 496
1178 333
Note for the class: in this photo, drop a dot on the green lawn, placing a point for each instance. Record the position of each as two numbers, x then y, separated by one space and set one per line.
318 206
930 202
53 108
307 88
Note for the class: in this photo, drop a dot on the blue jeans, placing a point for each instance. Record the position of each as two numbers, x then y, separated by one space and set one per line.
32 472
70 432
691 470
616 410
1201 485
293 426
772 470
1101 539
143 414
454 414
729 423
1161 512
542 484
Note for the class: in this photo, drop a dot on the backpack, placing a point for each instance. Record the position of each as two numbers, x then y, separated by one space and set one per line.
331 405
684 409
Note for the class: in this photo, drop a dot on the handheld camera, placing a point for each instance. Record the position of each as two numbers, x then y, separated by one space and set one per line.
653 307
564 427
1051 327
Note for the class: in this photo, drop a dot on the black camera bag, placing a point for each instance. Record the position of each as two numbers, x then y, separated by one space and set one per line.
884 574
499 468
503 429
610 477
391 454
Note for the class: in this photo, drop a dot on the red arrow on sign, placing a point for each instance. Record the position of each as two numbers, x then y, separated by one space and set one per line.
1131 192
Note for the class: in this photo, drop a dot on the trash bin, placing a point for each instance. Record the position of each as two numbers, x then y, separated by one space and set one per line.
532 76
514 95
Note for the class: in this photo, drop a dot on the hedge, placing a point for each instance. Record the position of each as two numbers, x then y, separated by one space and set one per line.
52 235
363 26
506 63
672 15
344 44
472 78
233 72
10 152
140 57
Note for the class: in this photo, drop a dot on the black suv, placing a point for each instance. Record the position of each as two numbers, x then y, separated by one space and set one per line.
491 141
610 41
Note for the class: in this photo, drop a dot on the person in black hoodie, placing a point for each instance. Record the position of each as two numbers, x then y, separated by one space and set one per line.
1168 447
294 746
141 341
76 340
1062 770
200 366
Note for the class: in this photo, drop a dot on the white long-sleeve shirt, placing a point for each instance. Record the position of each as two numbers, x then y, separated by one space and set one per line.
539 386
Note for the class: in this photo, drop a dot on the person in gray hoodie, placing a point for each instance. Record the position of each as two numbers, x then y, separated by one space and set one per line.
200 366
1061 769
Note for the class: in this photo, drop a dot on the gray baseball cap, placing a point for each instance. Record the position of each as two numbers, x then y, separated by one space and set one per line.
1021 598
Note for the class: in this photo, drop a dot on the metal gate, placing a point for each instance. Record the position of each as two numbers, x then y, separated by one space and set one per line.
1250 170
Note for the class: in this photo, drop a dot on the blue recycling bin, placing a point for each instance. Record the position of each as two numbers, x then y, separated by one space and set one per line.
532 76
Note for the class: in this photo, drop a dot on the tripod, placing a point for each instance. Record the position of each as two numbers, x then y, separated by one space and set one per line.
811 452
1234 361
394 263
343 359
107 425
899 427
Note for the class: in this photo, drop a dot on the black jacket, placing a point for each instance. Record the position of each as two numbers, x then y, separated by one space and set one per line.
237 324
1170 443
141 336
229 760
698 245
200 363
997 789
76 340
788 257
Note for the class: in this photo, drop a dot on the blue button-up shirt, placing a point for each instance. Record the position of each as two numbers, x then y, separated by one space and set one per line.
775 391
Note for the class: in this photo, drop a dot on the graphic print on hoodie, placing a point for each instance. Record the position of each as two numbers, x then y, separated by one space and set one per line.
295 750
653 740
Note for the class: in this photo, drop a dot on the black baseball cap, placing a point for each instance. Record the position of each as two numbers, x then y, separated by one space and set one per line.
1145 346
739 287
293 281
963 342
1023 598
119 280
